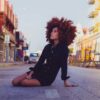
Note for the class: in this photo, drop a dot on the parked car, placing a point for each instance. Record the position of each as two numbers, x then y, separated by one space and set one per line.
33 58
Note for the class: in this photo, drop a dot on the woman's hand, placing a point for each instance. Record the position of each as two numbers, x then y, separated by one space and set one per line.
30 75
68 84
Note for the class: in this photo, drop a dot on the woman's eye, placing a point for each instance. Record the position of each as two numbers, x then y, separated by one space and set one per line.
55 30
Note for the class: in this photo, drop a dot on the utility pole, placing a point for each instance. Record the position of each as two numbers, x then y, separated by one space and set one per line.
7 41
7 52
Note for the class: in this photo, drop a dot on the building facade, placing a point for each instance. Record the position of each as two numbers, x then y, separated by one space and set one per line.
8 25
86 47
95 28
21 46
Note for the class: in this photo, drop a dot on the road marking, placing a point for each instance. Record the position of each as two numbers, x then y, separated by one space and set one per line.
52 93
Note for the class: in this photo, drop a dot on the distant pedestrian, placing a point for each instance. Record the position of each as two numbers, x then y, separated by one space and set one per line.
26 59
60 34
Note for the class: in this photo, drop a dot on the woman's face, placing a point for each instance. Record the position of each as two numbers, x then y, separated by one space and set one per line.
54 34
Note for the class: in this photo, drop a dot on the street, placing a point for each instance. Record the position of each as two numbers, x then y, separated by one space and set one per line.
87 79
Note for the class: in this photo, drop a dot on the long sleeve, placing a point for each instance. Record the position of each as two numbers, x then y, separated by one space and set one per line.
64 63
41 59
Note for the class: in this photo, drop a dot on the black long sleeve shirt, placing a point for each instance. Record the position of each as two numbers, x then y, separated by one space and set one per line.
53 58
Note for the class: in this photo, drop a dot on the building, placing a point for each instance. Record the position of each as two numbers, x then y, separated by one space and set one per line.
8 25
95 15
83 46
21 46
95 28
76 46
86 47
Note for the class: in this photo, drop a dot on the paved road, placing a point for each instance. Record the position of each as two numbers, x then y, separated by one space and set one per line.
88 80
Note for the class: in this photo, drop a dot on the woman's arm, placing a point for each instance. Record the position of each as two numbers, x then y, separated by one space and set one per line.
41 59
64 76
64 58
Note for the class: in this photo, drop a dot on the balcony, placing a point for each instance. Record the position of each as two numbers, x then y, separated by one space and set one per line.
12 36
91 29
91 1
94 29
98 6
93 14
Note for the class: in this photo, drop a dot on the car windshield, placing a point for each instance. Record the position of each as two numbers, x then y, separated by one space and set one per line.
34 55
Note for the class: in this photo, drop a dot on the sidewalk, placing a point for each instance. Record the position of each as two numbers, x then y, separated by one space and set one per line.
86 65
11 64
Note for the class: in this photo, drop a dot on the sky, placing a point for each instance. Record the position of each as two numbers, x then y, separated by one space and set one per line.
33 16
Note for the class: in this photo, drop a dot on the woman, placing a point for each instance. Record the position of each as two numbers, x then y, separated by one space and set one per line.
60 34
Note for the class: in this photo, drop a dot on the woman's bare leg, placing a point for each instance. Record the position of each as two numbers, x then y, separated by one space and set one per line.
30 82
18 79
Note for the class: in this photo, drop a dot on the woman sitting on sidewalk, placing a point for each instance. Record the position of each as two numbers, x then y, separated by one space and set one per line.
60 34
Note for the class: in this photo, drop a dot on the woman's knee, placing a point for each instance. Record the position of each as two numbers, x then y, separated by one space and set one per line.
18 79
15 82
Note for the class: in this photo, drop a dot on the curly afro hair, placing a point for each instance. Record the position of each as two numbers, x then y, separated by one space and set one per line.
66 30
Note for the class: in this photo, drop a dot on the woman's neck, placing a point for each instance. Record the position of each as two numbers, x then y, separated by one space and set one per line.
56 42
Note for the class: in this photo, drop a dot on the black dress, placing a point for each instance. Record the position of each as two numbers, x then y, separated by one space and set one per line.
50 61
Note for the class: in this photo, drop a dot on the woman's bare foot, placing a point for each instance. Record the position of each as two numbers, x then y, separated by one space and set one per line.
68 84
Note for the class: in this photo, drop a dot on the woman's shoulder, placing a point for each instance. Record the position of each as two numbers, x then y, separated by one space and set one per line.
47 45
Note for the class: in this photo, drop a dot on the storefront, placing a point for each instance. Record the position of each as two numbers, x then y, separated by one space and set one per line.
97 52
8 25
1 48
